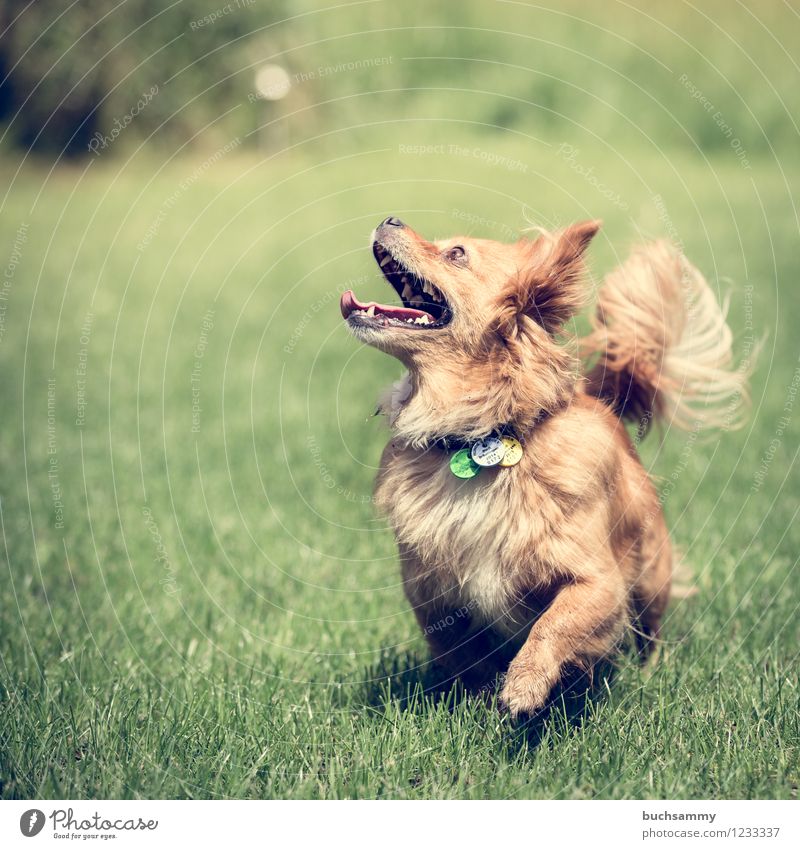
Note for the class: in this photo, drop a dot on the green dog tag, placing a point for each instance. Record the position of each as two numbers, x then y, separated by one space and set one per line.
462 465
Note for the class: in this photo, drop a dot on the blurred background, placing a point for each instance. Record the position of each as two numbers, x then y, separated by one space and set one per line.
193 562
70 70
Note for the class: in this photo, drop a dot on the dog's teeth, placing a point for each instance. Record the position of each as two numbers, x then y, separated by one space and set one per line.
371 311
407 292
387 258
416 300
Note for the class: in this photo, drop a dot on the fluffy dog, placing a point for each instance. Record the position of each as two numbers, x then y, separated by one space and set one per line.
538 565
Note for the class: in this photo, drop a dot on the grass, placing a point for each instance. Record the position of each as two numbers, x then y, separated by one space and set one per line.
220 614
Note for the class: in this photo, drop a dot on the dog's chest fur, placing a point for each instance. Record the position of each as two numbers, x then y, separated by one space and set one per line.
466 543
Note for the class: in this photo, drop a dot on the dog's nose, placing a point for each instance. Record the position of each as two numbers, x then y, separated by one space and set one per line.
393 222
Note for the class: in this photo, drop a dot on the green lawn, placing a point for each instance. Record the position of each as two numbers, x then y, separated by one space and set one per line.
212 608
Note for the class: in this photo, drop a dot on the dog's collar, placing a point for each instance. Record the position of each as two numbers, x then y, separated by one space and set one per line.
456 443
501 447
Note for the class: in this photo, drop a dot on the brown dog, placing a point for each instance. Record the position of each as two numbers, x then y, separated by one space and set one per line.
546 562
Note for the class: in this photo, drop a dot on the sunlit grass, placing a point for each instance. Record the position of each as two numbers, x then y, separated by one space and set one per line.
221 613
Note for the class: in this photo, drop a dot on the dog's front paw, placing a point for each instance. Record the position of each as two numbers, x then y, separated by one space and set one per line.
525 690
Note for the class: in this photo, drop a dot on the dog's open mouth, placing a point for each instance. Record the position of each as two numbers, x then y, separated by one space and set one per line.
424 306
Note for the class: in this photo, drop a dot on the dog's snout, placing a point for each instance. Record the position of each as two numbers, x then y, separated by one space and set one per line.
391 221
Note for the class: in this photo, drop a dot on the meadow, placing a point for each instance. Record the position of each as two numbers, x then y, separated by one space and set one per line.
198 599
220 614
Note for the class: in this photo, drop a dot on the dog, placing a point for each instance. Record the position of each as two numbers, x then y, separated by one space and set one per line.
531 538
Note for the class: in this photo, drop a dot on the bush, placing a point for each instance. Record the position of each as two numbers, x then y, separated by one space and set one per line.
77 71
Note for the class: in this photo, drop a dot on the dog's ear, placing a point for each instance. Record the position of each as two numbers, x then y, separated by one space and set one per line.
549 287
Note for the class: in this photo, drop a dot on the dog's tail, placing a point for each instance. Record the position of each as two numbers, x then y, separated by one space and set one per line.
664 346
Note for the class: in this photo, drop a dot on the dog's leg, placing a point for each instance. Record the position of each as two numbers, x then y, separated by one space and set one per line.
651 592
582 625
459 649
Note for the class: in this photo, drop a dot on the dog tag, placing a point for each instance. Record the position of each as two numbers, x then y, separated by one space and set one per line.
513 448
489 451
462 465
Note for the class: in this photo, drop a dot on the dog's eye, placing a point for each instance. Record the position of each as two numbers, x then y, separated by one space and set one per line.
457 254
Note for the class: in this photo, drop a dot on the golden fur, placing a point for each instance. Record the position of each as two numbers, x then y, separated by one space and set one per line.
539 568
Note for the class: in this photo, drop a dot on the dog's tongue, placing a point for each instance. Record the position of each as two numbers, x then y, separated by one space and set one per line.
349 304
